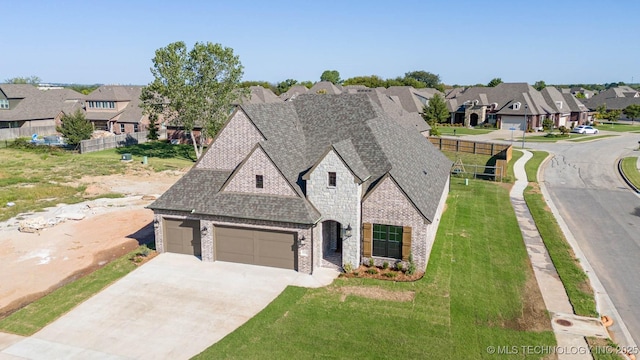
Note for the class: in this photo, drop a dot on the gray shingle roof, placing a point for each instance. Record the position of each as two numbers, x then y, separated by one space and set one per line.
34 104
298 135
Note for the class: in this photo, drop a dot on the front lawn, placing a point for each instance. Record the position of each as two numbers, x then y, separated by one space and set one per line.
630 170
584 137
618 127
461 130
479 291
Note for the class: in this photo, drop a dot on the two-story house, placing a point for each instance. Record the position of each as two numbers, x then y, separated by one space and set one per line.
325 180
116 109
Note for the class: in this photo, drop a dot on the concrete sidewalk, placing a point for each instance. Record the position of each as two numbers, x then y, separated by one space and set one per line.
569 329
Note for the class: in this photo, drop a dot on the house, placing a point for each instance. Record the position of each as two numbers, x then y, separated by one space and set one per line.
325 180
116 109
411 99
325 87
616 98
514 106
31 111
293 92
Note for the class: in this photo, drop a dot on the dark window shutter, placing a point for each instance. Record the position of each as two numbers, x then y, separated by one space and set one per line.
367 234
406 242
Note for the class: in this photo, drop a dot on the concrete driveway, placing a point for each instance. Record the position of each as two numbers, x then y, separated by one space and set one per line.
173 307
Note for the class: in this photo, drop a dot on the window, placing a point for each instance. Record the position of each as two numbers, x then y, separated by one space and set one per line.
387 241
122 128
135 127
516 106
101 104
4 104
259 181
332 179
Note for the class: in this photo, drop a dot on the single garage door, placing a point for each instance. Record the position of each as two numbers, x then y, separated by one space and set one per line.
182 236
256 247
509 122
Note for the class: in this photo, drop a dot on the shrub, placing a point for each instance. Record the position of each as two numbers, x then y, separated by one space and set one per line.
348 268
399 266
144 251
385 265
372 271
390 274
412 266
371 263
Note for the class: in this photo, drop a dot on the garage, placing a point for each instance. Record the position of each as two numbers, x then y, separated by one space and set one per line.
256 247
182 236
509 122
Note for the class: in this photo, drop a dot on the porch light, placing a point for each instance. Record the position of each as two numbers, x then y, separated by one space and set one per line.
347 231
301 240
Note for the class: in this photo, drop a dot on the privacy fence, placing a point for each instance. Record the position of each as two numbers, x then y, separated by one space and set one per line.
14 133
501 152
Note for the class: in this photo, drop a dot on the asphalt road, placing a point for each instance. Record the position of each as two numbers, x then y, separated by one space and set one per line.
602 213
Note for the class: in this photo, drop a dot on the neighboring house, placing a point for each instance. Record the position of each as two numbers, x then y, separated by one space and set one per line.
411 99
325 180
392 107
293 92
617 98
116 109
33 111
325 87
513 106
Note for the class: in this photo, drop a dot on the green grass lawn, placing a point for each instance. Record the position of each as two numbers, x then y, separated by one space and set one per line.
478 291
42 177
584 137
630 170
531 167
460 130
42 312
618 127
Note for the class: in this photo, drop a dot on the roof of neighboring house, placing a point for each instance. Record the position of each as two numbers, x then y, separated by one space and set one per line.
293 92
613 103
37 104
325 87
132 113
505 95
407 96
298 134
555 99
259 95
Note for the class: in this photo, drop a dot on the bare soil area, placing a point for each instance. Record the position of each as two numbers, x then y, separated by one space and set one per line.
34 264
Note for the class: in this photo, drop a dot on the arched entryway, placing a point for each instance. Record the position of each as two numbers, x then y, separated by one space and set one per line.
332 244
474 119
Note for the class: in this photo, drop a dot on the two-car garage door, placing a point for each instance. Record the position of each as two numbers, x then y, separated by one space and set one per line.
257 247
509 122
247 246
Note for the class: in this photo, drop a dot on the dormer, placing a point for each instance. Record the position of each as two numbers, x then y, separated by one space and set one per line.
4 104
559 104
516 105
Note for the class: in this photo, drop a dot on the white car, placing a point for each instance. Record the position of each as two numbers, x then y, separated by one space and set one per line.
584 129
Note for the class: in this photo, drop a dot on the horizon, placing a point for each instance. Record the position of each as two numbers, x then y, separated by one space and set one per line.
468 44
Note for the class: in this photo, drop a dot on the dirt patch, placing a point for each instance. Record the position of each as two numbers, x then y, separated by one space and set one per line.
131 183
534 315
376 293
382 274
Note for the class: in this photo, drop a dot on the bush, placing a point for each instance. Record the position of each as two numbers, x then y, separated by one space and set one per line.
348 268
412 266
372 271
385 265
390 274
371 263
399 266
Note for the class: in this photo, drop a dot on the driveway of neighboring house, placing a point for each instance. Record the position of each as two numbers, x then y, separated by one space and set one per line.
173 307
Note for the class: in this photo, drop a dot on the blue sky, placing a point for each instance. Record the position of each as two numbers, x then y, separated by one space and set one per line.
465 42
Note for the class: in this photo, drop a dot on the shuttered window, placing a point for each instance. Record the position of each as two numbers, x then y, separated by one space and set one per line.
387 241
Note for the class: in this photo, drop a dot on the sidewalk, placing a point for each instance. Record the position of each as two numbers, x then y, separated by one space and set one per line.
570 330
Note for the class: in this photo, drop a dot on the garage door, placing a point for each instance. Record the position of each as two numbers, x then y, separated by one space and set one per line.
266 248
182 236
509 122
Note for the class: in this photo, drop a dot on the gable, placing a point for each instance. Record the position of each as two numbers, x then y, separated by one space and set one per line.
243 180
233 144
388 204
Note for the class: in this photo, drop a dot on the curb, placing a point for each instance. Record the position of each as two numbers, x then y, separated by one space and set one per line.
624 177
600 294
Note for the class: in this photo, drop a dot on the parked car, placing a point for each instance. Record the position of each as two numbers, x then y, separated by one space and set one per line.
584 129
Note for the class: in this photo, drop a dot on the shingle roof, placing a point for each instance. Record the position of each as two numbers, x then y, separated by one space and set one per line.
37 104
298 135
132 113
325 87
114 93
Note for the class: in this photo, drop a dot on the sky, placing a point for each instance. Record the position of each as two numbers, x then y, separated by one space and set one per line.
465 42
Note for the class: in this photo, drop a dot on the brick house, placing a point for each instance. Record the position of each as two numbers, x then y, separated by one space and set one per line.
116 109
322 181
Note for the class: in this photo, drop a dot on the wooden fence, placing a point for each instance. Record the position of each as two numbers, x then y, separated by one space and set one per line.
500 151
116 141
14 133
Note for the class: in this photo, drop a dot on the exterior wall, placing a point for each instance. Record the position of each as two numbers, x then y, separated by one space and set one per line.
259 164
476 109
389 206
432 228
340 203
305 251
232 145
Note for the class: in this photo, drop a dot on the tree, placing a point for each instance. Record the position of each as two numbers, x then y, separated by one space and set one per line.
33 80
436 111
609 115
153 134
372 81
430 80
539 85
331 75
580 95
494 82
632 112
284 86
194 88
307 83
75 128
264 84
547 125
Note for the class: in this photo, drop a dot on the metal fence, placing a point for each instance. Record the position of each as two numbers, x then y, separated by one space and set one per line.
14 133
116 141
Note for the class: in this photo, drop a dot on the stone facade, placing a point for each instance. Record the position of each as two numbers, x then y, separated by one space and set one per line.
340 203
258 163
388 205
304 251
232 145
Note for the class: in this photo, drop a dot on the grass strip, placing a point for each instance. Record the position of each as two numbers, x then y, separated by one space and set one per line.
42 312
531 167
630 170
589 137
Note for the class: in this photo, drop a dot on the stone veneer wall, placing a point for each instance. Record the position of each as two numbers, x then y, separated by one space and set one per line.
259 164
340 203
232 145
305 255
389 206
